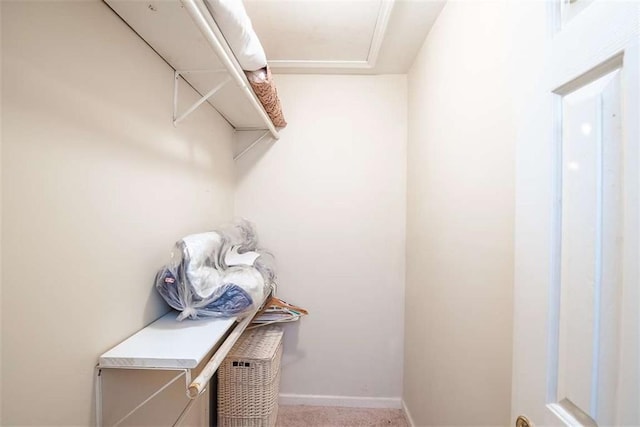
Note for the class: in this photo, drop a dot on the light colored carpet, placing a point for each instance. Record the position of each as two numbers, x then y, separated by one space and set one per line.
321 416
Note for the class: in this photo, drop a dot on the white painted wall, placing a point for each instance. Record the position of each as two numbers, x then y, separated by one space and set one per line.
460 213
330 201
97 185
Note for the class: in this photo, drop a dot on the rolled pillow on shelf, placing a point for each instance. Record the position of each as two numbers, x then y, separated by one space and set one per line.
232 18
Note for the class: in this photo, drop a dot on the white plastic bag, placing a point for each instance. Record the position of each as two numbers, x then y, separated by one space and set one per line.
217 274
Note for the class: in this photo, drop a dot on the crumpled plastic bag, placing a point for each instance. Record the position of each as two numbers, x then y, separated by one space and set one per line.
220 273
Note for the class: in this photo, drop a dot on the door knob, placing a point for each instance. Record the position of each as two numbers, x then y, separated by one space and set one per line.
523 421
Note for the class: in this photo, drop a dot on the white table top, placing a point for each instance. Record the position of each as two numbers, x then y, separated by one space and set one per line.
167 343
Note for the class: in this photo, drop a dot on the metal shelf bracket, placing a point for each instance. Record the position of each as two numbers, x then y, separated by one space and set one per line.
251 145
176 83
98 384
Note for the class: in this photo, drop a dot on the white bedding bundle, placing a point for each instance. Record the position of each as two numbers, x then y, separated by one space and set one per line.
219 273
235 24
233 21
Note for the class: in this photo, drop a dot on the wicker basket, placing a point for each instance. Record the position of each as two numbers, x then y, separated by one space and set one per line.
249 380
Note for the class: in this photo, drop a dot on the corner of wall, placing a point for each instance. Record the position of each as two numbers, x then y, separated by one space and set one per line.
325 165
1 310
459 197
407 414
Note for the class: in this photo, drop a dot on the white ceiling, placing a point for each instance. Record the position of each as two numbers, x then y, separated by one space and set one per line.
342 36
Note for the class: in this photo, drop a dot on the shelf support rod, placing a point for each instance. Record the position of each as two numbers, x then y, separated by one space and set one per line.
144 402
253 144
198 385
217 70
177 119
186 410
98 385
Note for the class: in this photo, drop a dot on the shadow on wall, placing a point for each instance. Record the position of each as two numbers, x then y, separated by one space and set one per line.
127 127
293 353
250 158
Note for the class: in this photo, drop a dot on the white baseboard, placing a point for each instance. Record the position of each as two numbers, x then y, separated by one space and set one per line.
340 401
407 414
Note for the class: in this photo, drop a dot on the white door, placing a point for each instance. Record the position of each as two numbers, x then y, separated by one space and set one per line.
576 323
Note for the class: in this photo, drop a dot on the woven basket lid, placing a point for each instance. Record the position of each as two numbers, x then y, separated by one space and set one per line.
260 343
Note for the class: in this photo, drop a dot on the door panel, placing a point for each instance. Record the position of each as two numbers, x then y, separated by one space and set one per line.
576 334
590 248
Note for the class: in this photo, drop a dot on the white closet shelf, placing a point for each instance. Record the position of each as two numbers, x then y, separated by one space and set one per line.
185 35
168 344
